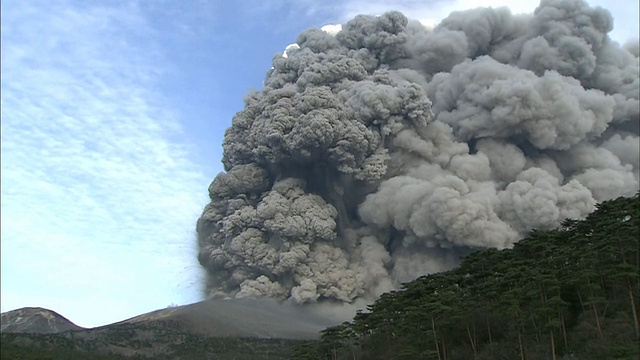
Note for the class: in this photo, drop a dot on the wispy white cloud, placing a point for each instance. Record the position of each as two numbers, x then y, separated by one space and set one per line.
97 181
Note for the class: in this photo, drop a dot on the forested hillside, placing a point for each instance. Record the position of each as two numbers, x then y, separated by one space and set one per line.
569 293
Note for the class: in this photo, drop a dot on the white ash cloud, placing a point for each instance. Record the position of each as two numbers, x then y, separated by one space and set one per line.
385 150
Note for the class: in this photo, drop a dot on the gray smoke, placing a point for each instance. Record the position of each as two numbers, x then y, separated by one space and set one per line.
386 151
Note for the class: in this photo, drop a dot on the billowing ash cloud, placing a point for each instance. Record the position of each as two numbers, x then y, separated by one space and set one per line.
387 150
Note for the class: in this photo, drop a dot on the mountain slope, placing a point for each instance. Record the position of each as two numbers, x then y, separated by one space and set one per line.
221 329
35 320
239 318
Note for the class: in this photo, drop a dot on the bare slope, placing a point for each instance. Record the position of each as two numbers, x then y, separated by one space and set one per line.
35 320
239 318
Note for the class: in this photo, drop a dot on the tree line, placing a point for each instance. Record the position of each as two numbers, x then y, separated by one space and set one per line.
567 293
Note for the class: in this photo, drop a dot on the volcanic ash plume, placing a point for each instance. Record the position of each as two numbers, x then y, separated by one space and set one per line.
385 151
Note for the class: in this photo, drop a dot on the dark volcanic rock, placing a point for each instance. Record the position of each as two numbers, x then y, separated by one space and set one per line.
35 320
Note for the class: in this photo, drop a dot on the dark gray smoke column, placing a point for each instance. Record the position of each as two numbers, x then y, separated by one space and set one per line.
383 152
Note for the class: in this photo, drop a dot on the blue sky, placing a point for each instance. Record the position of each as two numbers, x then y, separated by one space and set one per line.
113 114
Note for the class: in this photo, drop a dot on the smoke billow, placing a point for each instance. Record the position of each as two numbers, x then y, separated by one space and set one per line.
386 150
